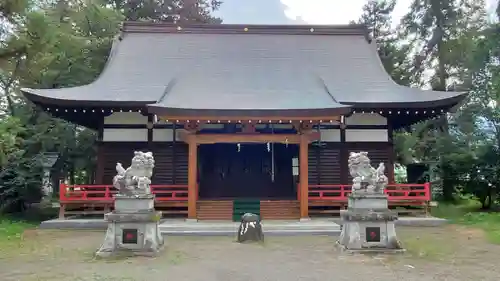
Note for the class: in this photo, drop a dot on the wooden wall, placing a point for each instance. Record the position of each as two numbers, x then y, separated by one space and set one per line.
170 161
377 152
326 165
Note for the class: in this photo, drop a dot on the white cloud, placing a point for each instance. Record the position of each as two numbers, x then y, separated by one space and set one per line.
323 11
340 11
332 11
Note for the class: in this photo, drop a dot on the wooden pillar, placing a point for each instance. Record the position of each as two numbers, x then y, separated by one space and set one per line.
192 176
392 156
99 173
390 167
304 177
150 126
344 157
174 156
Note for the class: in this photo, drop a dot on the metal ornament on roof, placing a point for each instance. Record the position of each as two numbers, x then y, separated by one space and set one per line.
319 142
272 155
319 132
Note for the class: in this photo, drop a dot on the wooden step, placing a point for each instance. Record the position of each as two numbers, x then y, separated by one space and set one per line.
215 210
279 210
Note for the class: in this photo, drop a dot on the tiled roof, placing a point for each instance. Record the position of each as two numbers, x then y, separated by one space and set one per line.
233 68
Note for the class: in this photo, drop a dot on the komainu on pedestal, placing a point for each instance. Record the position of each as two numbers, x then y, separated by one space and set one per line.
250 229
133 225
368 224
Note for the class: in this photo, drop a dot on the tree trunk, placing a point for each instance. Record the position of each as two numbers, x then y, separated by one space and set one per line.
72 173
443 132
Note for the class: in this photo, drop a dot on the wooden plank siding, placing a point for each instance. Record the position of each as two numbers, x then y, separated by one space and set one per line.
324 164
113 152
377 152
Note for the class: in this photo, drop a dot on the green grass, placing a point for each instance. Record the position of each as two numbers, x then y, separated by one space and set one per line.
12 226
11 231
468 213
425 245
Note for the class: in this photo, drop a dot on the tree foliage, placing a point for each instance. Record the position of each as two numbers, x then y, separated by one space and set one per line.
198 11
21 171
439 44
447 45
53 44
377 17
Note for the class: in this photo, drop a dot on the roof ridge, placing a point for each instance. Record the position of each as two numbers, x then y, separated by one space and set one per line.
153 27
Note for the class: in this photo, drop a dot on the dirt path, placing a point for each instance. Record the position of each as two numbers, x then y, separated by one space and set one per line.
448 253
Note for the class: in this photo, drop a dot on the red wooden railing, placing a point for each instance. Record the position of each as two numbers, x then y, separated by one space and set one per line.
68 193
396 192
333 192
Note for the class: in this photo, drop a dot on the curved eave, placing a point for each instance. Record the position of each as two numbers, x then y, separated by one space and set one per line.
250 113
91 121
35 96
449 102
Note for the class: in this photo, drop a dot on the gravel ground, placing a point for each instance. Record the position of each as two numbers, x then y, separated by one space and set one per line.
438 253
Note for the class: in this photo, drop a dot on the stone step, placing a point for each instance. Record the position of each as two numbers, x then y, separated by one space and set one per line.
266 232
224 229
313 226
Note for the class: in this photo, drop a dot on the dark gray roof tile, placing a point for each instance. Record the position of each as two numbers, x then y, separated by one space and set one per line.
245 71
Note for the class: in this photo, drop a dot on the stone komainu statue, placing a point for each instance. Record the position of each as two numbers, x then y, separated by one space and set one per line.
136 179
365 177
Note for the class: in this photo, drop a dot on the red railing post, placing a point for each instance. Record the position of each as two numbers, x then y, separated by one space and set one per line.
62 191
427 190
107 194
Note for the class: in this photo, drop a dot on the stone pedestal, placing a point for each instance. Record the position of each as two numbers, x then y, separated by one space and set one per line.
250 229
132 228
368 225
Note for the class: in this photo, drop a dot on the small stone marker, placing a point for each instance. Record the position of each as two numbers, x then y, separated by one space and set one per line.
250 229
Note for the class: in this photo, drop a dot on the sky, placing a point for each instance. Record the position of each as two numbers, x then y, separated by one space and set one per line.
303 11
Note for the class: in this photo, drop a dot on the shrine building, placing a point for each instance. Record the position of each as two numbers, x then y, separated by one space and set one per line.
242 118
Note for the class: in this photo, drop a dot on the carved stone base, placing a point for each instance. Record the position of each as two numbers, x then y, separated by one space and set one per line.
369 229
134 203
250 229
365 200
132 233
